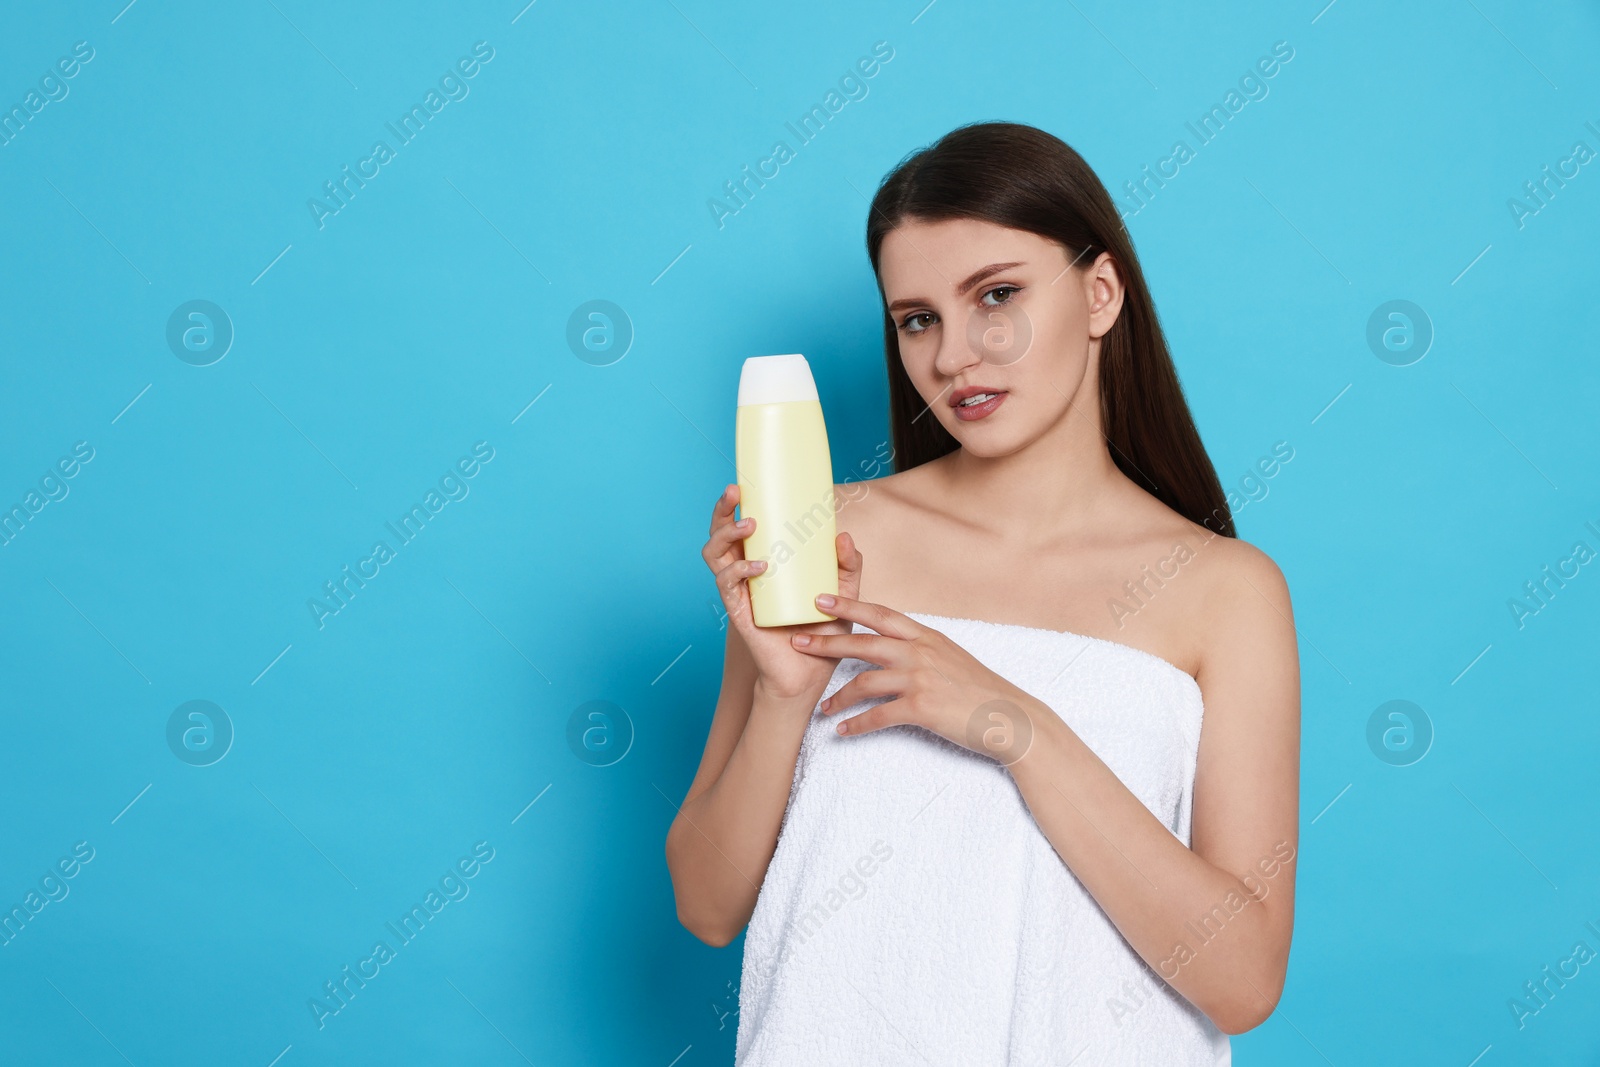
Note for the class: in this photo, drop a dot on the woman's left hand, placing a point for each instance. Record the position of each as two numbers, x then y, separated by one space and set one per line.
940 685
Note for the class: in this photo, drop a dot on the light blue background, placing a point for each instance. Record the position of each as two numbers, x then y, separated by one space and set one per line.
427 314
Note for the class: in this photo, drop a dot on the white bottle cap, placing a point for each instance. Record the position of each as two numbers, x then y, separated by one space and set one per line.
776 380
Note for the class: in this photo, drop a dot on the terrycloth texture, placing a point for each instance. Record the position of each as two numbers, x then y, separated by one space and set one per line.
914 913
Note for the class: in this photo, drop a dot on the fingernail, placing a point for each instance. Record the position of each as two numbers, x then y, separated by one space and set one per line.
824 600
802 639
841 726
759 565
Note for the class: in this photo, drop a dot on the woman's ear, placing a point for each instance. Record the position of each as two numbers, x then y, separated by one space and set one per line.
1105 294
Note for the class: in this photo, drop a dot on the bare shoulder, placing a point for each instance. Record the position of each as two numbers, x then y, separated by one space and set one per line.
1229 573
1247 619
1242 575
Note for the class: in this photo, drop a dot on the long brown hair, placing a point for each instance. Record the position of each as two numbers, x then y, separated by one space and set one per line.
1023 178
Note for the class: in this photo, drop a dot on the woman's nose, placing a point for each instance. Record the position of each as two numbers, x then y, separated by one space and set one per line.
956 352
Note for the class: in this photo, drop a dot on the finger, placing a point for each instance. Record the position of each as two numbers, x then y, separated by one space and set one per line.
729 581
722 511
873 648
725 531
884 620
865 686
729 577
849 554
849 564
724 537
889 713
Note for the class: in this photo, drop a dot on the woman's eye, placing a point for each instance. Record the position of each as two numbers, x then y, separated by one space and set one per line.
1007 289
911 325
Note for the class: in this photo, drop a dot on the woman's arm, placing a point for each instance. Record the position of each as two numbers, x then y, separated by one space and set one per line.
727 827
723 837
1190 912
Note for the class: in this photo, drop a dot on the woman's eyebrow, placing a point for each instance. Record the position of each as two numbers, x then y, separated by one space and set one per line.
972 279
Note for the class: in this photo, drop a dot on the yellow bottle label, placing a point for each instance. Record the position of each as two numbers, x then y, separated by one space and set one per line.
786 484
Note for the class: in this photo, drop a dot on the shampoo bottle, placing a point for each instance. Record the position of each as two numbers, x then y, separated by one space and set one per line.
785 477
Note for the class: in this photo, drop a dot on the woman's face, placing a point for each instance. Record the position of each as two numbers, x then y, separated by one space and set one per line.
982 308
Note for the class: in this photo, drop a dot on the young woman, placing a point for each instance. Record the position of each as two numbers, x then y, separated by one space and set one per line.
1005 836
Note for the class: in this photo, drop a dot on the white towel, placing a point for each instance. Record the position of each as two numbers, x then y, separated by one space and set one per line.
914 913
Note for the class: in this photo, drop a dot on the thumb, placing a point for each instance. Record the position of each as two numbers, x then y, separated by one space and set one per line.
850 561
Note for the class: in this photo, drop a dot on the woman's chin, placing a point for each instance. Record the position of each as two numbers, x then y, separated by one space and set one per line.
986 444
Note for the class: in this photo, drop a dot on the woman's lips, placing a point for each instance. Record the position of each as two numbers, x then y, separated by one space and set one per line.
974 412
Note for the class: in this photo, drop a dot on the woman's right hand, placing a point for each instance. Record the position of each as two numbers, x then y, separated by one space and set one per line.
782 671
